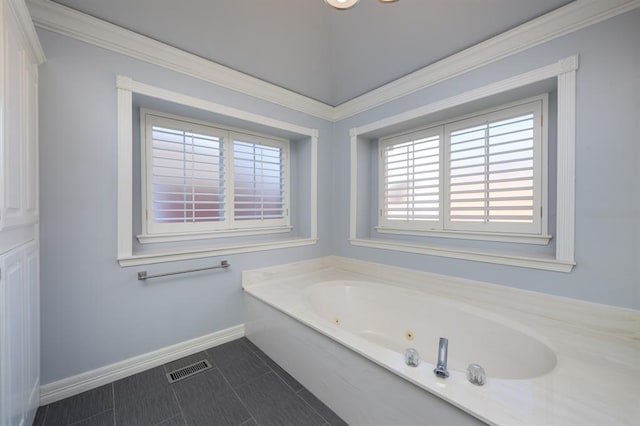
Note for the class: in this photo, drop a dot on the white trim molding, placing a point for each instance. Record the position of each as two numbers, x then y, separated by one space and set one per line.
563 261
54 17
565 20
576 15
125 166
566 158
476 256
542 239
126 87
28 31
147 259
70 386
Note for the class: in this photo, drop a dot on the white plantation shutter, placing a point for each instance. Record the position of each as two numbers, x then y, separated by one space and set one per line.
185 175
480 174
204 180
410 190
493 169
258 179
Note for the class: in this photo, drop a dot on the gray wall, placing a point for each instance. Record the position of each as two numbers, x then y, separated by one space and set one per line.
94 312
607 161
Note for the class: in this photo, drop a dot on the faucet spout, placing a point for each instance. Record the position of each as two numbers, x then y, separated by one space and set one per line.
441 366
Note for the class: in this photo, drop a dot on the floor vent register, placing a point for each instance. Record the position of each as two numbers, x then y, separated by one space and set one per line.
188 371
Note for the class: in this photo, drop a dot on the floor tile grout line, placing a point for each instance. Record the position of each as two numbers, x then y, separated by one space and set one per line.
312 407
296 393
248 420
284 381
245 345
250 346
92 416
326 422
258 354
251 415
173 390
253 379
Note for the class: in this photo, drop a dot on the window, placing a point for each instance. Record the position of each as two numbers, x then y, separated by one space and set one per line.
201 179
479 174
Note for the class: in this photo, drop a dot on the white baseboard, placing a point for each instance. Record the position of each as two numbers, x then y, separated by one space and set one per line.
52 392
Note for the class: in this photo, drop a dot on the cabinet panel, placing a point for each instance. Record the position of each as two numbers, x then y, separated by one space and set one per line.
31 154
20 136
14 137
14 342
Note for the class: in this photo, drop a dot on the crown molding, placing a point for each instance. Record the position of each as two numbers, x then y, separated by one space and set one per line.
19 9
572 17
80 26
555 24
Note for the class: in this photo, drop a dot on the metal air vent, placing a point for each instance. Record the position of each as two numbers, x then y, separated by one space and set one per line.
188 371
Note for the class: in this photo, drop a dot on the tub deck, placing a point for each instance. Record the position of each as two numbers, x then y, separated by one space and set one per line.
596 379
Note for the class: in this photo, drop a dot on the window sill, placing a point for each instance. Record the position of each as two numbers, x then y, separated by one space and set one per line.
544 263
146 259
470 235
189 236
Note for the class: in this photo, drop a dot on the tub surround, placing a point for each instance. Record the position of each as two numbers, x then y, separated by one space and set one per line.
360 391
595 379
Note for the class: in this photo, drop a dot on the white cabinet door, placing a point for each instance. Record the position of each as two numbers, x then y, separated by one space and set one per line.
20 337
14 327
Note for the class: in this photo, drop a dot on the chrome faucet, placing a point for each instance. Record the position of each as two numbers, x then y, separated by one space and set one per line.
441 367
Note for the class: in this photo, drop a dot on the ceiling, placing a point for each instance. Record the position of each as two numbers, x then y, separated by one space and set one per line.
307 47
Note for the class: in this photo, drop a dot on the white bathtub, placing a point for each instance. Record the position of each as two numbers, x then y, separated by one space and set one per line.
397 319
341 327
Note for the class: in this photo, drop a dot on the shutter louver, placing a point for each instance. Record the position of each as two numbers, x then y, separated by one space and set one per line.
412 180
491 172
187 177
258 180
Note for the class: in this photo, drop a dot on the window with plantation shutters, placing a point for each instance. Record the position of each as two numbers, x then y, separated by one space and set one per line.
479 174
201 179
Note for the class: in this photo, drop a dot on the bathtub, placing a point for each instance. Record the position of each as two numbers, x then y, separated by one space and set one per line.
341 327
397 319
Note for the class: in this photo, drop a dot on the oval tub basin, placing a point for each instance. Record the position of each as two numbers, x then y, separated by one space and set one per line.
398 318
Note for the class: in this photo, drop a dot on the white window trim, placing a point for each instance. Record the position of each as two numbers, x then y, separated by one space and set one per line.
563 261
441 228
126 87
229 227
542 239
192 236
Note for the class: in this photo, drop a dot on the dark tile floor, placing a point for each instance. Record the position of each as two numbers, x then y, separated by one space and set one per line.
244 387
